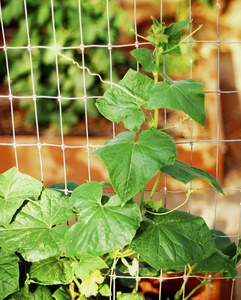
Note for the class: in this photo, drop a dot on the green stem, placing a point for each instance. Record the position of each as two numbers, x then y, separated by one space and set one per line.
156 73
204 282
190 191
236 255
184 282
142 198
76 281
154 187
186 38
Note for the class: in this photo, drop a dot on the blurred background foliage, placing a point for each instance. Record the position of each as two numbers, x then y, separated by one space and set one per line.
67 33
67 28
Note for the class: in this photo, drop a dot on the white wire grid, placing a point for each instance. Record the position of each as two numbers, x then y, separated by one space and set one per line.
63 146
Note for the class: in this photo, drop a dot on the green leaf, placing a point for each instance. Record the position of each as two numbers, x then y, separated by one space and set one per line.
88 264
184 173
9 273
157 36
173 240
184 95
132 164
41 292
130 296
63 293
15 187
53 270
217 262
33 233
71 185
100 228
224 244
146 58
104 290
117 105
174 36
206 2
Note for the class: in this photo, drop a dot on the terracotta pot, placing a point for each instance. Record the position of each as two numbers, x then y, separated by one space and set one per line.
172 283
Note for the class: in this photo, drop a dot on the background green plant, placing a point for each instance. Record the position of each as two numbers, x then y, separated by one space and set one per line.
66 17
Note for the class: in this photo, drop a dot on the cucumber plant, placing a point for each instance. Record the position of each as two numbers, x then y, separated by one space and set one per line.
114 234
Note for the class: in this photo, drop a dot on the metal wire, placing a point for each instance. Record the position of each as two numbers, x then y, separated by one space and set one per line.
192 142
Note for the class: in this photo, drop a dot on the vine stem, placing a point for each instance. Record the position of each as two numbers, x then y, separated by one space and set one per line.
190 191
155 187
185 281
76 281
142 198
155 82
205 281
101 79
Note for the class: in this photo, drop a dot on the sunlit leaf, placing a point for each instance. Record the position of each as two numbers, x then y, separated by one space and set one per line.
184 173
87 264
33 233
15 187
146 58
132 164
100 228
173 240
53 270
9 273
119 105
184 95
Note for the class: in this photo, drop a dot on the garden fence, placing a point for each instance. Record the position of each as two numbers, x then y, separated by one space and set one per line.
210 147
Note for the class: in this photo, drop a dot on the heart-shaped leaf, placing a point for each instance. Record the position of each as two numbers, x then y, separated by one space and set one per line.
15 187
184 173
173 240
184 95
119 105
9 273
132 164
32 232
87 264
217 262
146 58
53 270
100 228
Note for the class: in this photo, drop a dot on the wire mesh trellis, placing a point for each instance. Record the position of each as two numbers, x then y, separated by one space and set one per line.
85 145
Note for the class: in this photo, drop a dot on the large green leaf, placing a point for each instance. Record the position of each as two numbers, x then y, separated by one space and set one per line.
184 173
100 228
132 164
41 292
224 244
146 58
118 105
63 293
9 273
185 95
53 270
15 187
87 264
217 262
33 233
173 240
174 36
